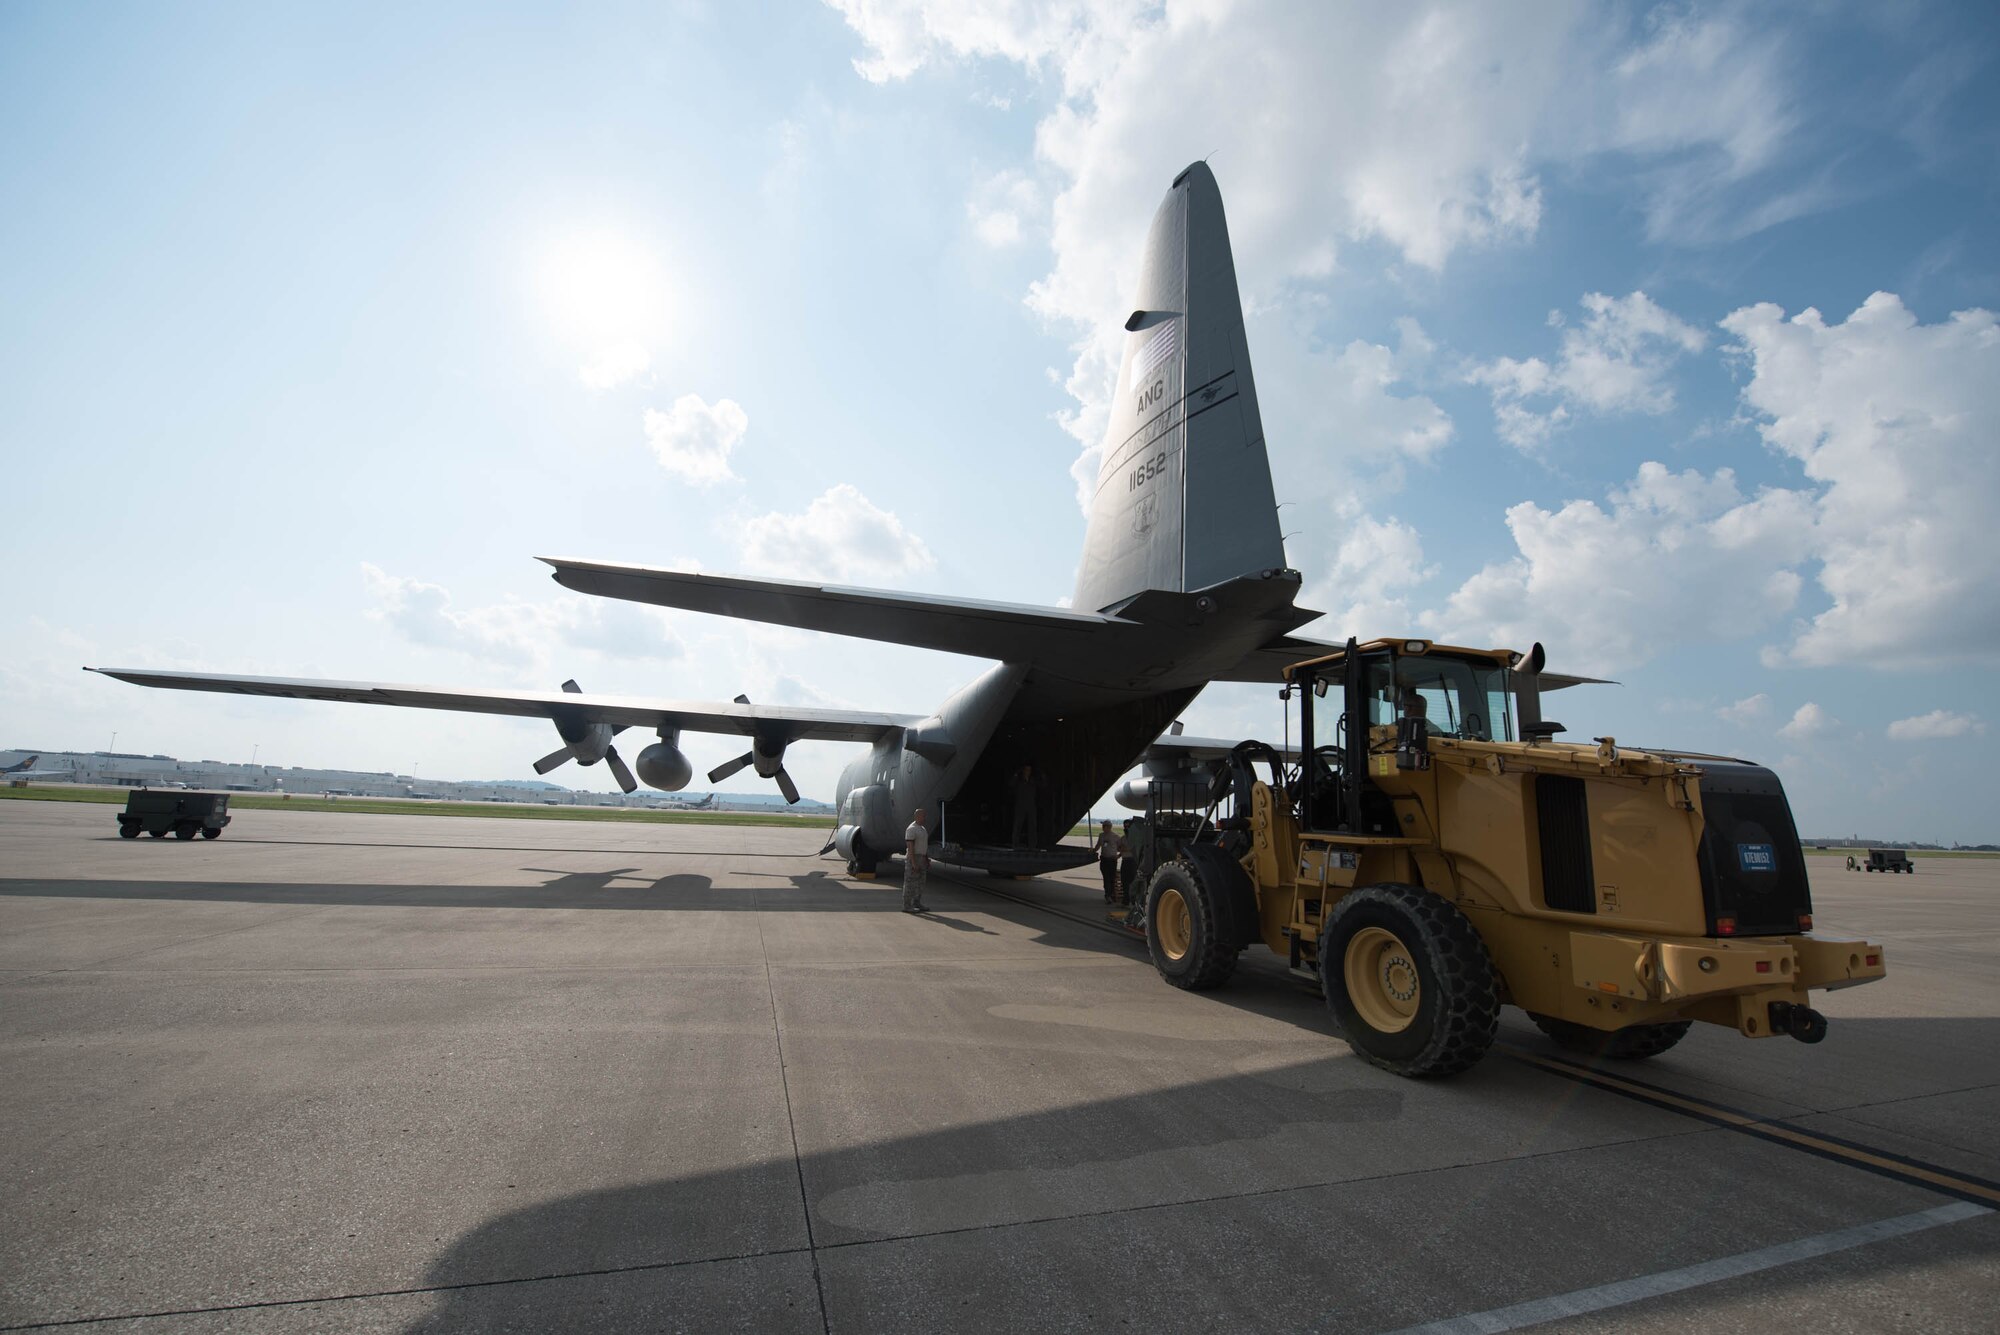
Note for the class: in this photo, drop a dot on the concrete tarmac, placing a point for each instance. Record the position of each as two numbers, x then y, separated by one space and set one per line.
410 1073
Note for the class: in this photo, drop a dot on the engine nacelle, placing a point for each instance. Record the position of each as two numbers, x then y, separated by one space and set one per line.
1189 788
662 765
843 840
868 808
590 743
766 763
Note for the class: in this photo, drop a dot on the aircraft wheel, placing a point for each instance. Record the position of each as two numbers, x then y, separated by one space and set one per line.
211 831
128 830
1184 922
1632 1043
1408 981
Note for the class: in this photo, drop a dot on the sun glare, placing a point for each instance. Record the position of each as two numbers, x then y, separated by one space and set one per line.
604 294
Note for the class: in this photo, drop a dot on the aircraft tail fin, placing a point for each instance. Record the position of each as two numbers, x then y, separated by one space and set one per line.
1183 498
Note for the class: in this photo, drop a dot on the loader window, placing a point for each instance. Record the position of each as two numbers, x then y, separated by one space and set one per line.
1456 698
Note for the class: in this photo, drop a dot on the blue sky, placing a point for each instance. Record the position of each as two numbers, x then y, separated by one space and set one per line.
336 319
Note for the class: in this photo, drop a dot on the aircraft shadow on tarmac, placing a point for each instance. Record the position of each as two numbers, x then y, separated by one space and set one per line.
1274 994
1265 989
622 888
1140 1202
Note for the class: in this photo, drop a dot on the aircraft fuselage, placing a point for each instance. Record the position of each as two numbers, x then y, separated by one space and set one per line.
1078 724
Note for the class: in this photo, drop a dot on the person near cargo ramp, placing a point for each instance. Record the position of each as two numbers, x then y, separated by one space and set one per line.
916 861
1110 847
1027 789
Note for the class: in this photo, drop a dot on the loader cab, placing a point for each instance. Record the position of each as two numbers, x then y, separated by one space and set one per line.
1388 700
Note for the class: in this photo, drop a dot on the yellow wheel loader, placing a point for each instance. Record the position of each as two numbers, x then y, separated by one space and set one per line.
1430 852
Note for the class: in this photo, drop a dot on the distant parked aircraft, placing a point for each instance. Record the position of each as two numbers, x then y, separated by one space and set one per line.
25 769
702 805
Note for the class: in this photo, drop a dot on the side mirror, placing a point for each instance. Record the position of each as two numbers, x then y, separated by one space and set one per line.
1319 687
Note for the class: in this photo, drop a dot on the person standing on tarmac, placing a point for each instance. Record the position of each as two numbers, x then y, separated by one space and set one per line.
1025 785
916 862
1128 860
1110 847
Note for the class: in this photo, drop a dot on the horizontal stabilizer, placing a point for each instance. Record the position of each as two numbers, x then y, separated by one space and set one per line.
1009 632
765 721
1268 664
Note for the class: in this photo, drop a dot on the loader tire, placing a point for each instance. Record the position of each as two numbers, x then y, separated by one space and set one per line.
1408 981
1186 920
1632 1043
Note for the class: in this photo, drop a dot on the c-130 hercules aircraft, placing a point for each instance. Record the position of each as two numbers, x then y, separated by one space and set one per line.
1183 582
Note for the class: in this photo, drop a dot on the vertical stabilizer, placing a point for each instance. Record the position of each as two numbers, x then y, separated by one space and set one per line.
1183 496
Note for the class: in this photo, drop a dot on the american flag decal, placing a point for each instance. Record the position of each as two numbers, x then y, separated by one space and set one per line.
1164 343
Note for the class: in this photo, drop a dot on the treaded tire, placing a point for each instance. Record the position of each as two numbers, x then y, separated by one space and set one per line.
1633 1042
1457 1006
1201 877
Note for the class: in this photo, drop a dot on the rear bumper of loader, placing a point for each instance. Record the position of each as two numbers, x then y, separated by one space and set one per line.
1721 980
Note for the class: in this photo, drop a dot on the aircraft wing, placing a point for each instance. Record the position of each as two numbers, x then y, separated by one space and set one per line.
831 725
1006 632
1174 746
1268 664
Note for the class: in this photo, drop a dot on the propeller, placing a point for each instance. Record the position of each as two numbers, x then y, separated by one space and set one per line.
586 743
767 753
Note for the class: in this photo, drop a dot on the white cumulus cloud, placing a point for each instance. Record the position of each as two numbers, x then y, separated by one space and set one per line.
1892 423
1934 726
1616 361
841 535
1670 558
534 635
693 440
1895 422
1003 207
1808 721
1367 587
1745 710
